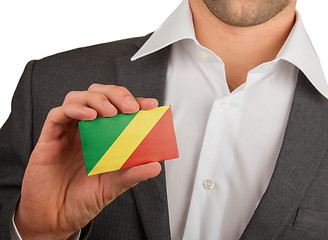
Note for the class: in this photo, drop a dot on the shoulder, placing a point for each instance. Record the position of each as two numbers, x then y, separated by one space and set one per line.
94 55
78 68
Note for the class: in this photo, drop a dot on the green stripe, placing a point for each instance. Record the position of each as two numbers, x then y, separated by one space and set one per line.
98 135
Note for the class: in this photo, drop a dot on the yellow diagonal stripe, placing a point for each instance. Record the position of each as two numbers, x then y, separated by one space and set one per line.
129 140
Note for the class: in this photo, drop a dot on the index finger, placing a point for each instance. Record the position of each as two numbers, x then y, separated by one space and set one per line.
119 96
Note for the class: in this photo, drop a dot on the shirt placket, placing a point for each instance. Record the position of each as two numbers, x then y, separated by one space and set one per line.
217 155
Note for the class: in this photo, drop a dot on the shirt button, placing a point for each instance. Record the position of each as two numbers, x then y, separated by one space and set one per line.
208 184
203 55
224 104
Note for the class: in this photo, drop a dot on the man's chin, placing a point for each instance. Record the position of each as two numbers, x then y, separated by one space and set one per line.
239 13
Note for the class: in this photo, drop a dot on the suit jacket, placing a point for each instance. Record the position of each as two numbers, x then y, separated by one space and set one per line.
294 206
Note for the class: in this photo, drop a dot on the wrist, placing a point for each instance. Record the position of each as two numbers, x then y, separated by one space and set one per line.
25 233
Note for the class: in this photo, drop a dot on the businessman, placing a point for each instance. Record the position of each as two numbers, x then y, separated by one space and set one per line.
250 108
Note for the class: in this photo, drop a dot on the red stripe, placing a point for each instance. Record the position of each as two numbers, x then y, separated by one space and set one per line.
159 144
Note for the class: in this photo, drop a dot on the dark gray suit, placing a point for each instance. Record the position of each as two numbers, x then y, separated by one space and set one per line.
295 205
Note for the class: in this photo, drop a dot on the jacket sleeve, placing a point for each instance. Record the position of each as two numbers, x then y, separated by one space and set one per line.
15 149
16 145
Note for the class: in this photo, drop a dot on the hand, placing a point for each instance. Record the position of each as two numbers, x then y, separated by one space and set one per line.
57 197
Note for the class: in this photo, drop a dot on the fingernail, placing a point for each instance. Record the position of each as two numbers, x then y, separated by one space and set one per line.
88 109
130 101
107 104
154 101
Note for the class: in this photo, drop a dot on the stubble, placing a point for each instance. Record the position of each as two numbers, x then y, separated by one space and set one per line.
245 13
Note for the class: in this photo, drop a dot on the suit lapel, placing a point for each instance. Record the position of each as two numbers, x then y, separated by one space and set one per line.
146 77
303 148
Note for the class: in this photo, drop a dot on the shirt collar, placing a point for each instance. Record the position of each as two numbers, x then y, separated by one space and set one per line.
297 49
176 27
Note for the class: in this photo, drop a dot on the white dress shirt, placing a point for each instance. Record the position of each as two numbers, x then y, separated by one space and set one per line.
228 141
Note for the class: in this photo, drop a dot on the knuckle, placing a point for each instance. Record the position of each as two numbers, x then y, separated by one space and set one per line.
94 86
70 96
118 88
93 96
53 112
123 91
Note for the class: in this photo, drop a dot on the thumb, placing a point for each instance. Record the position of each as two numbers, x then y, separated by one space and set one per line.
115 183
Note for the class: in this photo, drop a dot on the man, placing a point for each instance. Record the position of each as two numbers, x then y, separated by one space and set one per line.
250 111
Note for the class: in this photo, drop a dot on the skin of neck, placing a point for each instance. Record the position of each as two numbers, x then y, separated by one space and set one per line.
241 48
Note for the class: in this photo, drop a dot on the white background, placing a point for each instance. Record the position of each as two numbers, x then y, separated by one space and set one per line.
37 28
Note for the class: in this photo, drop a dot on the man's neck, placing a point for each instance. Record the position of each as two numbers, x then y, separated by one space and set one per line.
241 48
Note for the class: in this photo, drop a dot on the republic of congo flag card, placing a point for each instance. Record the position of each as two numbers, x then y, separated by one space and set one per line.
128 140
